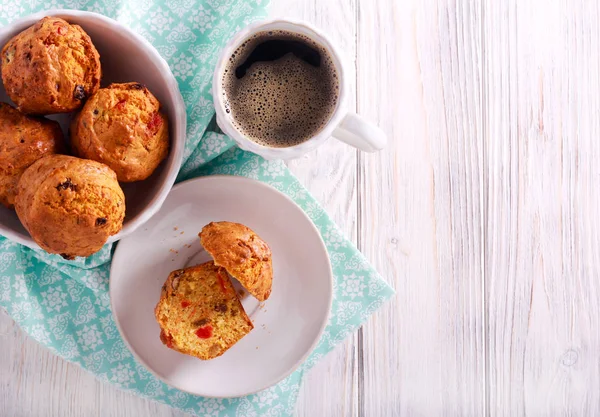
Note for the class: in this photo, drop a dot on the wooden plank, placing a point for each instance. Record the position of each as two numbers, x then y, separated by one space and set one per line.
34 382
542 236
329 173
420 215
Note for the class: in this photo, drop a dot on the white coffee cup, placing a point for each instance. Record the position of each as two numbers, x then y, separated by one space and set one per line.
343 125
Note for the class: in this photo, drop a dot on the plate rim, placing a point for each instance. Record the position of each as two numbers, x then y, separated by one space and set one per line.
322 327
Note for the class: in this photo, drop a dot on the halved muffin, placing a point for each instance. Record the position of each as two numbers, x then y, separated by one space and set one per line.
242 253
199 312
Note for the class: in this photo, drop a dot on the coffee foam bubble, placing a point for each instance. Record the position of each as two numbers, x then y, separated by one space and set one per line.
283 102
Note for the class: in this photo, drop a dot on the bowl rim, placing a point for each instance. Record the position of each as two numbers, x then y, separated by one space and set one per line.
173 164
323 325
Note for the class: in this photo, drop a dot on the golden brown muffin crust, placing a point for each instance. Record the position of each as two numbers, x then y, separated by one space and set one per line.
23 140
70 206
122 127
50 67
243 253
199 313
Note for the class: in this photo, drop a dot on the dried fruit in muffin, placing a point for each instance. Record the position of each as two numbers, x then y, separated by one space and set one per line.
242 253
199 312
122 126
50 67
70 206
23 140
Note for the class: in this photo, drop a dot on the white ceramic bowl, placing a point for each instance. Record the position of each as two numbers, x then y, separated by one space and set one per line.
125 56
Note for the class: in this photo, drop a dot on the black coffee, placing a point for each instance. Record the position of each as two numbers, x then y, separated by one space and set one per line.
280 87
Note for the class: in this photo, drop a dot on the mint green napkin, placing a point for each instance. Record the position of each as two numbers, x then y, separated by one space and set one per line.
65 305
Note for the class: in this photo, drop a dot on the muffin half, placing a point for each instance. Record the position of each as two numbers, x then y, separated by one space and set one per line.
242 253
199 312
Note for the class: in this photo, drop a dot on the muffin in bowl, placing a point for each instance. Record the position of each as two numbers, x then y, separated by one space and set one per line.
70 206
23 140
122 126
51 67
125 56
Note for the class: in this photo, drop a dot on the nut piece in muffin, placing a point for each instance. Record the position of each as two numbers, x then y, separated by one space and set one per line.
23 140
70 206
51 67
122 127
242 253
199 312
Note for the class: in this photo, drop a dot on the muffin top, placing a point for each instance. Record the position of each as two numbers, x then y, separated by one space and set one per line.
23 140
70 206
242 253
51 67
122 127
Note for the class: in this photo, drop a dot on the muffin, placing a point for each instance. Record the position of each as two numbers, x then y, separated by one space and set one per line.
23 140
51 67
122 127
242 253
199 312
70 206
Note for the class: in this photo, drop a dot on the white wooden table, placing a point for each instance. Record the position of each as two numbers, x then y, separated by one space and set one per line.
482 213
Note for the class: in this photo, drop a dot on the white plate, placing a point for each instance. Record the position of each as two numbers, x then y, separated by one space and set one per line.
287 326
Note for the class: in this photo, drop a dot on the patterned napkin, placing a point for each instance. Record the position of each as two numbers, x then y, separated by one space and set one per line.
65 306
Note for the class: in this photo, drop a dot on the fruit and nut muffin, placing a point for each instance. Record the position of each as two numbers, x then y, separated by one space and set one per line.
23 140
70 206
51 67
122 126
199 312
242 253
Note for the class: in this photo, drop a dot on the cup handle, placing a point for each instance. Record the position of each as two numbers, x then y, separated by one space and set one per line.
358 132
